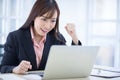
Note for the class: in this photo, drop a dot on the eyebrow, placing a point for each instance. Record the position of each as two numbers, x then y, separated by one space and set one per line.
48 18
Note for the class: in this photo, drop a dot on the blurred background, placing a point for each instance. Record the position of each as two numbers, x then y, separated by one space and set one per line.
97 24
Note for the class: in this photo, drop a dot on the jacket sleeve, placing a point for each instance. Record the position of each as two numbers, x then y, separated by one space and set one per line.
9 60
63 41
79 43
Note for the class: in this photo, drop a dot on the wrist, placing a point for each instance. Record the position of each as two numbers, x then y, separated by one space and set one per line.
75 40
14 70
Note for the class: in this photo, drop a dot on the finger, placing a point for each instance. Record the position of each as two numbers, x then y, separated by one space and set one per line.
27 64
23 68
69 27
18 70
66 28
30 67
22 71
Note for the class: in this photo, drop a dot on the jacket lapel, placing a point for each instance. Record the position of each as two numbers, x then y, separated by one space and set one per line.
28 46
47 46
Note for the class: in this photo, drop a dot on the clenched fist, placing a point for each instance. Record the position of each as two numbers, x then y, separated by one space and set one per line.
22 67
70 28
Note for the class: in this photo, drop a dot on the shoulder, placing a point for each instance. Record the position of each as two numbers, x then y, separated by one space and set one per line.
61 39
60 36
18 33
57 38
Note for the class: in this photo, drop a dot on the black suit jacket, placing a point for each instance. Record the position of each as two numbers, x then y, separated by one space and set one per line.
19 46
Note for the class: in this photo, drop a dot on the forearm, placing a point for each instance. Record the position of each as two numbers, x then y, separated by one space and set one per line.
75 39
6 69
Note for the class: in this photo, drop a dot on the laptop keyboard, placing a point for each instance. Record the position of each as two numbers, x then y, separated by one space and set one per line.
40 73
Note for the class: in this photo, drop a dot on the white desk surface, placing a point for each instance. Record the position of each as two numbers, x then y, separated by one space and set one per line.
20 77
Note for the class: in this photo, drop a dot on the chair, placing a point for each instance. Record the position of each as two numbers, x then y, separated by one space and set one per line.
1 52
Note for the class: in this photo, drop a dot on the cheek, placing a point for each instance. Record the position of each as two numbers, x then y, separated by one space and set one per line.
52 27
37 23
36 29
37 26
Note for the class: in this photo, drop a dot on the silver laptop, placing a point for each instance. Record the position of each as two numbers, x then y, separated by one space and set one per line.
70 62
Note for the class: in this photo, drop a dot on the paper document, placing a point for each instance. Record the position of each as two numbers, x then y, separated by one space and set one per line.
104 73
107 68
10 77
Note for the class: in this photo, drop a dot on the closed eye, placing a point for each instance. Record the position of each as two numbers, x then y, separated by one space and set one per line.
44 19
53 20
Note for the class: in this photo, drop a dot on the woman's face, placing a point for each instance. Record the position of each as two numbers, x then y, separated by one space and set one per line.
43 24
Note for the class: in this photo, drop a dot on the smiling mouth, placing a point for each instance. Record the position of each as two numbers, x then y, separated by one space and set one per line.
44 30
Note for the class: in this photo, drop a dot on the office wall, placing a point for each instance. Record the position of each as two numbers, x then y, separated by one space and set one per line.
97 24
73 12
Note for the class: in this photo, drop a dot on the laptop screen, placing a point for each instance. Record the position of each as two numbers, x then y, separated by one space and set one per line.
70 61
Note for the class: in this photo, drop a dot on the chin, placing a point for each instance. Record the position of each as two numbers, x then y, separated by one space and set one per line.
43 34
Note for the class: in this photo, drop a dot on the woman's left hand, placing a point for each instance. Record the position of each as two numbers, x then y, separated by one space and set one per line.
70 28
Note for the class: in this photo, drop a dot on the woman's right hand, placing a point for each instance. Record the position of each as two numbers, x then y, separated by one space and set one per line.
22 67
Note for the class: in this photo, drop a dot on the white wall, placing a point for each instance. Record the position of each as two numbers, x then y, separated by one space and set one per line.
73 12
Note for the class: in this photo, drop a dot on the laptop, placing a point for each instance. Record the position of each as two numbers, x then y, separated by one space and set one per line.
70 62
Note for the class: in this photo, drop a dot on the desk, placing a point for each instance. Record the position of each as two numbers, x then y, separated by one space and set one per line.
11 76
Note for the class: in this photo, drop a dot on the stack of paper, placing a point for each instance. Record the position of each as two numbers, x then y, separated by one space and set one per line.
104 73
10 77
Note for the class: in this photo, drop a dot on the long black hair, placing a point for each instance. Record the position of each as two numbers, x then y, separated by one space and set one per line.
40 8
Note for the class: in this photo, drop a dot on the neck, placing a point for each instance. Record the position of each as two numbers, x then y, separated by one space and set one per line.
37 37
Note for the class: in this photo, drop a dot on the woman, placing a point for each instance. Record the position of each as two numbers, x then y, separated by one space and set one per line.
27 48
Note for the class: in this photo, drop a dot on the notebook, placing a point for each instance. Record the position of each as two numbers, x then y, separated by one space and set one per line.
70 62
105 71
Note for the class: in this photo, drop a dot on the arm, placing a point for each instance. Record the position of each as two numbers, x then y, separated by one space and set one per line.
9 60
70 28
